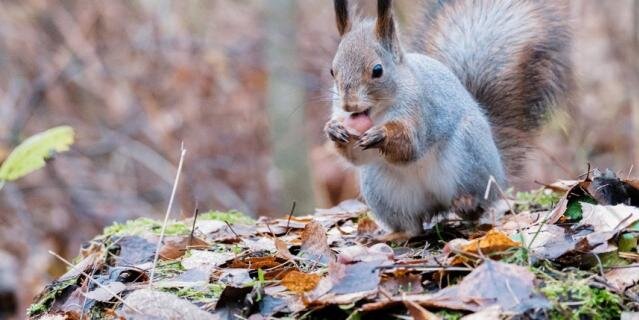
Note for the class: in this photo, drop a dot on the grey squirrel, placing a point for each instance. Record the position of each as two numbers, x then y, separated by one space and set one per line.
428 126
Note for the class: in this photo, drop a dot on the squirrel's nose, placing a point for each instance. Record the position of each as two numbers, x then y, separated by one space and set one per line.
350 107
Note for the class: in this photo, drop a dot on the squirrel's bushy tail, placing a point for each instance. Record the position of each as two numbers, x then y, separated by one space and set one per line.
512 55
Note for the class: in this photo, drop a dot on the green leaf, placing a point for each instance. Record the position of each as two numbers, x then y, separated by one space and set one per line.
627 242
574 211
31 154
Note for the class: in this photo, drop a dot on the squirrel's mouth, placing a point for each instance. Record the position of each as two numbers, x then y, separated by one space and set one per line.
365 113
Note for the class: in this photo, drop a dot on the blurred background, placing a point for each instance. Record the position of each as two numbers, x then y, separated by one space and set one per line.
245 86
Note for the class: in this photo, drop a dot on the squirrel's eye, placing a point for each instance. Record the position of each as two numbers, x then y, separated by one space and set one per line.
332 73
377 71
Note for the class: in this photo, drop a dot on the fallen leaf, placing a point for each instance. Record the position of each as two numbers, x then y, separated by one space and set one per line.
282 250
402 281
379 251
236 277
161 305
623 278
86 264
209 226
134 250
493 242
175 247
106 293
315 244
490 313
418 312
205 259
348 209
367 226
547 241
607 221
300 282
260 244
492 283
353 278
577 192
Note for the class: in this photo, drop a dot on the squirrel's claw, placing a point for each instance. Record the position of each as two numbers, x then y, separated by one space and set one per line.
372 138
336 131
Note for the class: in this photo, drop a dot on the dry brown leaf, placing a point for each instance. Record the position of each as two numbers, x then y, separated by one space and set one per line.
493 242
175 247
418 312
255 263
402 281
366 225
493 282
300 282
282 250
315 243
623 278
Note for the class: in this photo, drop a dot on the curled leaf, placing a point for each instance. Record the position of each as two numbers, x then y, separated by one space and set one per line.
300 282
31 154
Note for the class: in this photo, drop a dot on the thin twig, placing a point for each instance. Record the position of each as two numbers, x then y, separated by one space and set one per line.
231 228
425 267
197 211
115 295
288 222
168 213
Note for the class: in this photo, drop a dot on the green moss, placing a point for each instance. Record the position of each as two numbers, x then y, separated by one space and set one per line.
169 268
206 294
44 302
232 217
143 226
450 315
577 300
542 199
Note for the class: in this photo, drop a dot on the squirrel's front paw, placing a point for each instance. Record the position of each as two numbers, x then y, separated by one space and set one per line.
336 131
372 138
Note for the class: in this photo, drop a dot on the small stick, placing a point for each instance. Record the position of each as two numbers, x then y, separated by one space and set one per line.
269 230
288 222
95 282
231 228
197 211
425 267
168 213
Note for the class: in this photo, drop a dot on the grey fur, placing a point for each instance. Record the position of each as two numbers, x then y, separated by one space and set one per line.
452 146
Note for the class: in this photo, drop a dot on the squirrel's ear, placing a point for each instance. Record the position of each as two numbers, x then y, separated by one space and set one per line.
385 28
341 16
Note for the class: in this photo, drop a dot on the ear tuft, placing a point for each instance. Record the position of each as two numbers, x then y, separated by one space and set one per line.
385 28
341 16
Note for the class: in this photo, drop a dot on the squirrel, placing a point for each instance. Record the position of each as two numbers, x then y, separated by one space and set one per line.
431 125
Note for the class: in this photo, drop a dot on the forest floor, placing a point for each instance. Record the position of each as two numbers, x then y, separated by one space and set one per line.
565 251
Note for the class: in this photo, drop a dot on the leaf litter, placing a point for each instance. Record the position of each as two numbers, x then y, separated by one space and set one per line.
569 250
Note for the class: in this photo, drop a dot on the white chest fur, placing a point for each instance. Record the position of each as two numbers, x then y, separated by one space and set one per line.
409 189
